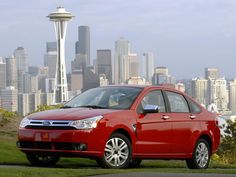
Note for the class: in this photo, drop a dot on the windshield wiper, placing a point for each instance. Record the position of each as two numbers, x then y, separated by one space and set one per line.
66 107
93 106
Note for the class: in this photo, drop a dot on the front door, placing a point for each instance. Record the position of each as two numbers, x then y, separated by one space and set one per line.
153 129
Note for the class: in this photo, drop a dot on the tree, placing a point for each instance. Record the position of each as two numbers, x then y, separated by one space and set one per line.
227 150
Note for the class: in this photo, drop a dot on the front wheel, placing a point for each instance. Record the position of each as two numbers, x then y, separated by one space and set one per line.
201 156
42 160
117 152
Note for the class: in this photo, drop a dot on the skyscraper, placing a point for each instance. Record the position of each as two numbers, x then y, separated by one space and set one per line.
11 72
104 64
232 96
200 90
9 98
83 45
121 63
133 66
21 59
148 66
22 66
161 76
212 73
218 93
60 19
2 74
50 59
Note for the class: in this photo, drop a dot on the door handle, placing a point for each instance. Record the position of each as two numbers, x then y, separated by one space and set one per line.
165 117
192 116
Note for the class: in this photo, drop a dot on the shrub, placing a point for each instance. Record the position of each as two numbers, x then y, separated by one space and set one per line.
227 149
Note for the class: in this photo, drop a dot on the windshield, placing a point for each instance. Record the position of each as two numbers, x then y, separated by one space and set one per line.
106 98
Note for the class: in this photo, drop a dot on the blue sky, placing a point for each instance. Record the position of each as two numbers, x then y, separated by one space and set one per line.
185 35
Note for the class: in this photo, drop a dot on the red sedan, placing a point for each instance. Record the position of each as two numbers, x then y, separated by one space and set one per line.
121 125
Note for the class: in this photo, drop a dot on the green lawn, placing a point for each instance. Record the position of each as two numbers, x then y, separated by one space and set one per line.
75 167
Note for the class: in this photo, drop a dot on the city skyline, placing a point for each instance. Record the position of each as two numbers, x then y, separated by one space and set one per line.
200 31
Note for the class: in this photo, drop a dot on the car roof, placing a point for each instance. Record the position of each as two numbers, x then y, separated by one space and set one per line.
165 87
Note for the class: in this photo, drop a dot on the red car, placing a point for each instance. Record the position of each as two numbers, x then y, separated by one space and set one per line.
121 125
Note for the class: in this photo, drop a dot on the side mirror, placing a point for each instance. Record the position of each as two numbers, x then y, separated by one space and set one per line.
149 108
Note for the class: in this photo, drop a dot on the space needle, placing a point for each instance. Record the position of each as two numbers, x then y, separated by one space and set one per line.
60 18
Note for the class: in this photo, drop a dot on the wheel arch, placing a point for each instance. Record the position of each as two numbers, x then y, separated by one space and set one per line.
207 138
123 131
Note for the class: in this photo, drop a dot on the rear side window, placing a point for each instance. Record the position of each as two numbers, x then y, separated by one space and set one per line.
194 108
177 102
154 98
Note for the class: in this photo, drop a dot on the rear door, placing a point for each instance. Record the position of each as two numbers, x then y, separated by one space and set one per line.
184 123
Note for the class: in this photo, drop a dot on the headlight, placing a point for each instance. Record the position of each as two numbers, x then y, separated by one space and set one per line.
24 122
86 123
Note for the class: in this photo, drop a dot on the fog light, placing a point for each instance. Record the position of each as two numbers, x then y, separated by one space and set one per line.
79 147
18 144
83 147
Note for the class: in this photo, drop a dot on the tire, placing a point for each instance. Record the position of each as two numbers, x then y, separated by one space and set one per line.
201 156
135 163
117 152
42 160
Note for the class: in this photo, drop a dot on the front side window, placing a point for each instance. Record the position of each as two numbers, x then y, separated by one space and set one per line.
106 97
154 98
177 102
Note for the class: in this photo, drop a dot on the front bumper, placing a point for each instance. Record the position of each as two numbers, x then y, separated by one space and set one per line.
89 143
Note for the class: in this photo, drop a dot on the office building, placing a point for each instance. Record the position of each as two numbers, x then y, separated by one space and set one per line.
136 81
50 59
161 76
2 74
76 80
22 67
23 104
104 63
200 90
9 99
232 96
83 44
218 93
133 65
11 72
121 62
90 78
148 66
33 70
212 73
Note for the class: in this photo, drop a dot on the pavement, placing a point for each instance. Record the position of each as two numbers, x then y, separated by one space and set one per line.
153 174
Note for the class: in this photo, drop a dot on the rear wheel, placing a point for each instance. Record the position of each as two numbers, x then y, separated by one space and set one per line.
201 156
117 152
42 160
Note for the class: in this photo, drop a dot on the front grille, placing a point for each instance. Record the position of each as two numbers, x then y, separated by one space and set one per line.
50 127
50 145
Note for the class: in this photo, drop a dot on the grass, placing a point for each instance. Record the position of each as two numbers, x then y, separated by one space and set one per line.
76 167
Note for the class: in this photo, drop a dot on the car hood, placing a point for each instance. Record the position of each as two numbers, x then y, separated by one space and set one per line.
69 114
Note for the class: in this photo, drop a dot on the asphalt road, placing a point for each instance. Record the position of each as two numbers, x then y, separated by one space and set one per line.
153 174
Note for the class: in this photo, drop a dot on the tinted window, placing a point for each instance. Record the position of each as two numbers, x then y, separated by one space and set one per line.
106 97
154 98
177 102
194 108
